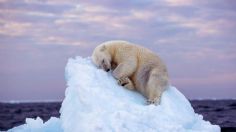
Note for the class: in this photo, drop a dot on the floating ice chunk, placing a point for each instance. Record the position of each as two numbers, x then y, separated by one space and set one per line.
37 125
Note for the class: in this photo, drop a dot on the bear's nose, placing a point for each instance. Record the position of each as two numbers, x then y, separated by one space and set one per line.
108 70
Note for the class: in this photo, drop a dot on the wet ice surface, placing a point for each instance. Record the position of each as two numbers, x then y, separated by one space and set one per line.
220 112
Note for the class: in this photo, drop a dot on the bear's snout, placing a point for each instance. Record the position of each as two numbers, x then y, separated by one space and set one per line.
106 68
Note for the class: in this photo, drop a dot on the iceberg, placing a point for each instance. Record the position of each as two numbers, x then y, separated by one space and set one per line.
95 103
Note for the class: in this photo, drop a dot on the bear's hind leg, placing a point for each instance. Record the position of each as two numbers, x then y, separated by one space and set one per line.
154 96
156 85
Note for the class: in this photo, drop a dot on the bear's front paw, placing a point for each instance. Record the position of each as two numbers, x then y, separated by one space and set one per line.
123 81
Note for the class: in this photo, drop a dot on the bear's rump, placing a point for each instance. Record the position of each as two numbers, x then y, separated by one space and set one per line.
142 76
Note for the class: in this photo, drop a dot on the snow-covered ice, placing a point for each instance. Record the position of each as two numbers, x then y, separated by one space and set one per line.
94 102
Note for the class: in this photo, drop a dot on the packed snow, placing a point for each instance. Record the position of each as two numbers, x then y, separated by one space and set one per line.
94 102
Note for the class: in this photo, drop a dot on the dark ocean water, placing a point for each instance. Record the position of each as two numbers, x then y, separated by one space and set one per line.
220 112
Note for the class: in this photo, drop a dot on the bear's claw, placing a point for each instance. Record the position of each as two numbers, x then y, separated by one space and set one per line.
153 101
123 81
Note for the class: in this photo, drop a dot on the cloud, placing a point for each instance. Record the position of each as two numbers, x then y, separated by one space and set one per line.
97 19
42 14
216 79
14 28
214 54
86 13
62 41
202 27
179 2
143 15
51 2
23 12
3 1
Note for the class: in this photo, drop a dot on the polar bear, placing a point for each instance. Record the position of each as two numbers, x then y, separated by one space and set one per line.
134 67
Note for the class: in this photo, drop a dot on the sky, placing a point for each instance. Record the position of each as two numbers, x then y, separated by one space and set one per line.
195 38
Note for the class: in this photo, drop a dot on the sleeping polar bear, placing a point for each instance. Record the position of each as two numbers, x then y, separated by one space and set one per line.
134 67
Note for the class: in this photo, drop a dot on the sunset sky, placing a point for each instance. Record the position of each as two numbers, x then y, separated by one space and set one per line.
196 39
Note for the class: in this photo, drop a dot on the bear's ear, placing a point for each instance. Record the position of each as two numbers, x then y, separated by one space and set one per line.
103 48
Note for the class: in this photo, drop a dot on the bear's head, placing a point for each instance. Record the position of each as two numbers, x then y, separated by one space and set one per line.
102 58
